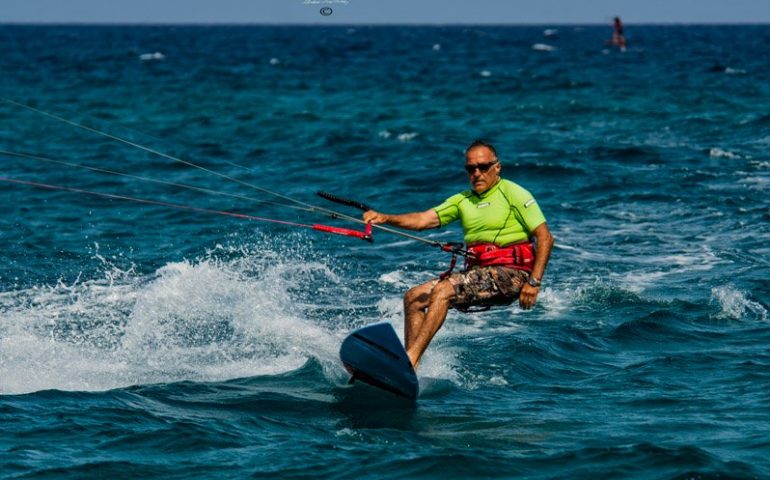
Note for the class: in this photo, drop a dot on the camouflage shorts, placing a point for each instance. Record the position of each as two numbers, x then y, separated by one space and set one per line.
487 286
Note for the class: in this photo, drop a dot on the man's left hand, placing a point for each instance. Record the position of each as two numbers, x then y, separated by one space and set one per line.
528 296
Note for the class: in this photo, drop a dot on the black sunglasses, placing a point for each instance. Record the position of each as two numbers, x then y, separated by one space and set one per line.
483 167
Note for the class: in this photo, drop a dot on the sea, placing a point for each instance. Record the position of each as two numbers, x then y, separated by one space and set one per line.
147 333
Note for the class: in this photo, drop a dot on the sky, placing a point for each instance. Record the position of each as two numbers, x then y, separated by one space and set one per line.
543 12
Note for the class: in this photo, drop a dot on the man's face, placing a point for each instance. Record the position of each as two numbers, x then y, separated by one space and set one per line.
482 157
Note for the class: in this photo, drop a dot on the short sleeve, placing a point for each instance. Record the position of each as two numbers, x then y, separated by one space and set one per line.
527 208
449 211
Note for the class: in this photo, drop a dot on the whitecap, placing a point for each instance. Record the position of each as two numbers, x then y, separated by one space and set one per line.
407 136
756 182
662 266
550 32
146 57
347 432
735 304
542 47
717 152
498 380
485 73
394 278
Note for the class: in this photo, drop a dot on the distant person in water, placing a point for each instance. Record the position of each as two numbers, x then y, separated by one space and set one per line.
618 40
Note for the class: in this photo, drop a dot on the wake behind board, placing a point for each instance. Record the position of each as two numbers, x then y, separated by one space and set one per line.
374 355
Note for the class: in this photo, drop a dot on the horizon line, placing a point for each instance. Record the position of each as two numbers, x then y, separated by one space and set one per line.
373 24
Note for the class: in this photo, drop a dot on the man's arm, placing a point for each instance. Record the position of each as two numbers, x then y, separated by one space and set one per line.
529 293
409 221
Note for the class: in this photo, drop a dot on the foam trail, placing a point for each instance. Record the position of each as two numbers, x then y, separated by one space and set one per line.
208 320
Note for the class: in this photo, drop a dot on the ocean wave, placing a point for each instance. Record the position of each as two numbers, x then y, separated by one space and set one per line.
657 327
760 165
601 295
682 461
549 169
659 267
635 153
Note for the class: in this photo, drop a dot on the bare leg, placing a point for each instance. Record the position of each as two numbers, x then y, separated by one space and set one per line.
421 325
416 301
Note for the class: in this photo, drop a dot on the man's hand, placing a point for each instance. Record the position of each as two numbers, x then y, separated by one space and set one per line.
375 218
528 296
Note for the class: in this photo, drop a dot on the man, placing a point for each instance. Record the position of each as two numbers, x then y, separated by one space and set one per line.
498 218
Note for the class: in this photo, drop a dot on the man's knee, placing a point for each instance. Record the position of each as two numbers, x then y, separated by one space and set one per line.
444 291
417 295
412 295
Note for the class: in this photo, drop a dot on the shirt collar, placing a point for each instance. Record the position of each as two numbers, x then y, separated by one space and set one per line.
488 191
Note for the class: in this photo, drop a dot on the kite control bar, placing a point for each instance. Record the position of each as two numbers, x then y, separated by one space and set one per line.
365 235
449 247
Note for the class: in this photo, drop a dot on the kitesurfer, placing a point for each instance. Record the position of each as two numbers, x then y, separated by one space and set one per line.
499 220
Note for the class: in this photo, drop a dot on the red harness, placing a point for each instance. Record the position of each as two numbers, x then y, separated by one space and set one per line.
520 256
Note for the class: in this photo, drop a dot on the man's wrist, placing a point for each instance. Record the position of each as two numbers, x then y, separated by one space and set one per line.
534 282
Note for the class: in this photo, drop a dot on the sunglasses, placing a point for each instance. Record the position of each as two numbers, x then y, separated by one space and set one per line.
483 167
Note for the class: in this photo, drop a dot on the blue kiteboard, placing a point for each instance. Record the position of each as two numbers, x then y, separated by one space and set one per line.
374 355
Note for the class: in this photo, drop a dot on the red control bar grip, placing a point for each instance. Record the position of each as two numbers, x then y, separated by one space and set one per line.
365 235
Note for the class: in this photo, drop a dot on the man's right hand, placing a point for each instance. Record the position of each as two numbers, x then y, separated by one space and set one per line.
375 218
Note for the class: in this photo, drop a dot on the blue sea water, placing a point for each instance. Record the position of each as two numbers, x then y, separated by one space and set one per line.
141 340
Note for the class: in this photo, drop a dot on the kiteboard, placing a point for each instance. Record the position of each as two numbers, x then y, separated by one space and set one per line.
374 355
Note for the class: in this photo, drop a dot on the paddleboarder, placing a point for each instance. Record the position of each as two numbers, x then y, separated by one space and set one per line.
499 219
618 39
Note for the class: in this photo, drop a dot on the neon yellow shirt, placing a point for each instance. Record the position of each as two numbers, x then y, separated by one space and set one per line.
506 213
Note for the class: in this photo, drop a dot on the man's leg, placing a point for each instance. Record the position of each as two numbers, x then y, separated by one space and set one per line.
416 300
426 305
420 325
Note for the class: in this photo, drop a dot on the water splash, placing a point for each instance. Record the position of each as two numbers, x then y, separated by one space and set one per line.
735 304
205 320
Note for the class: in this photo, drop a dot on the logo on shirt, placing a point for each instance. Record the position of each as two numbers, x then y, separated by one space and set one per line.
529 202
482 205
